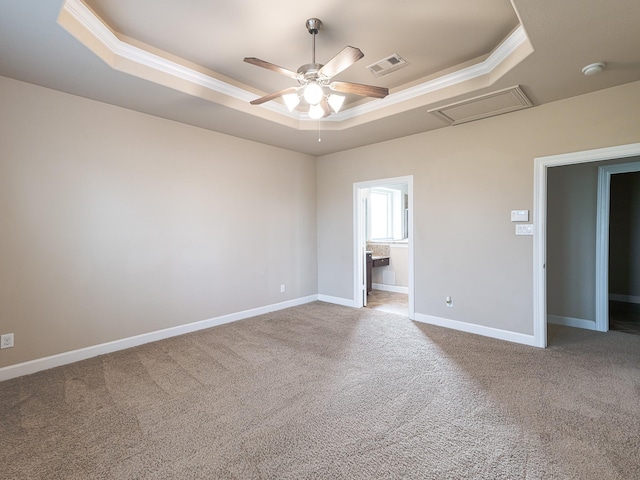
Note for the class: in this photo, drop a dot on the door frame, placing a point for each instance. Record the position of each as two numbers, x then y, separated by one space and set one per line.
602 238
541 164
359 236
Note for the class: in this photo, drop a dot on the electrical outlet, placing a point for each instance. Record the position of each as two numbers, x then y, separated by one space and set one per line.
449 301
282 288
6 340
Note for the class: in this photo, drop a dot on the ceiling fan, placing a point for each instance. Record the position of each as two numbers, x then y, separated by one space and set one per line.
315 86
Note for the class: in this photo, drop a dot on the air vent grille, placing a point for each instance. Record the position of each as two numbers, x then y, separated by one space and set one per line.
387 65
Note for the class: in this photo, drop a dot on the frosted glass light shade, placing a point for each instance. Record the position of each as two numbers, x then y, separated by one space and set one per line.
316 112
291 100
313 93
335 102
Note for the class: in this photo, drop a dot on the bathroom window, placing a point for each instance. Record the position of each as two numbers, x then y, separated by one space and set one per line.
387 216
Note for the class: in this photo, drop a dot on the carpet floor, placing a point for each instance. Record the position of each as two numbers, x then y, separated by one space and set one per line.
327 392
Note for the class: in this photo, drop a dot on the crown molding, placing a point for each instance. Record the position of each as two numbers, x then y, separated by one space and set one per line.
507 48
117 48
101 31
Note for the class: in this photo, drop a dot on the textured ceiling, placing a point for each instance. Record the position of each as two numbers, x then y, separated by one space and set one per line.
438 38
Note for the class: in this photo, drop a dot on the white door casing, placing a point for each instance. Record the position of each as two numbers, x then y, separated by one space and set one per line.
360 240
540 236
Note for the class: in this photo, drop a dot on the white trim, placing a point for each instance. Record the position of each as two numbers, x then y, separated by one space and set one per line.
478 329
72 356
103 34
540 221
493 61
616 297
389 288
602 238
359 248
345 302
572 322
359 240
539 253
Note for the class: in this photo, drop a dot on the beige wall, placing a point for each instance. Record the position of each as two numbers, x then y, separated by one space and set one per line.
571 240
398 263
467 179
116 223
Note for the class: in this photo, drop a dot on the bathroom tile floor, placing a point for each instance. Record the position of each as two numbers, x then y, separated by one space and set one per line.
390 302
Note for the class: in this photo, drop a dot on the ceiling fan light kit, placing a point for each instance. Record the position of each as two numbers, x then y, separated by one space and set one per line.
336 102
313 93
315 81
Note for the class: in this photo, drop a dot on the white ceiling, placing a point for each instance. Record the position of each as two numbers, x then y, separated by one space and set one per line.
456 49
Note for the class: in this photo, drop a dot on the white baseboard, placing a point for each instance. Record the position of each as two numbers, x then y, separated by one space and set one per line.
390 288
345 302
478 329
624 298
572 322
64 358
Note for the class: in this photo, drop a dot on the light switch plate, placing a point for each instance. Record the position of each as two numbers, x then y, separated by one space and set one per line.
519 215
524 229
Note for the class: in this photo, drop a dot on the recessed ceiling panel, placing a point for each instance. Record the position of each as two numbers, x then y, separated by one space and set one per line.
483 106
432 36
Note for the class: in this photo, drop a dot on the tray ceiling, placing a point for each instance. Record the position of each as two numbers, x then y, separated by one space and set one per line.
183 60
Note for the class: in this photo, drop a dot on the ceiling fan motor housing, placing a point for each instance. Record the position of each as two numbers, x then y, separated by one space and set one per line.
310 73
313 25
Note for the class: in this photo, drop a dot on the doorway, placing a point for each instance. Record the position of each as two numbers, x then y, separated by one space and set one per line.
382 242
540 236
617 251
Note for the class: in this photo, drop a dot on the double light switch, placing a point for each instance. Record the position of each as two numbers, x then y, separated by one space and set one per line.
522 216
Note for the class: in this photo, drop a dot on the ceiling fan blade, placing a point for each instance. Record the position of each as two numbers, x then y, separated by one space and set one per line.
359 89
272 67
271 96
343 60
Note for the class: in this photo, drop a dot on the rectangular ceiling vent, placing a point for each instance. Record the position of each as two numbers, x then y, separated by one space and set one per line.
387 65
484 106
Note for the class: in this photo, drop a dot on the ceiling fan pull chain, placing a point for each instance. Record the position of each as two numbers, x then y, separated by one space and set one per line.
319 139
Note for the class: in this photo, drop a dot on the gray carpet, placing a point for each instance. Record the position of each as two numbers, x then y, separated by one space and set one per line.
328 392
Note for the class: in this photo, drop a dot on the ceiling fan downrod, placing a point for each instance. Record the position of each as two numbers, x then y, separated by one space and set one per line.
313 25
309 71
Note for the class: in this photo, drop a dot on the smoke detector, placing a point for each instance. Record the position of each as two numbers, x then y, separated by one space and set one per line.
593 68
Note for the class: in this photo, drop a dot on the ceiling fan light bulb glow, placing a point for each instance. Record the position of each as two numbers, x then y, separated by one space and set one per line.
313 93
291 100
316 112
336 102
